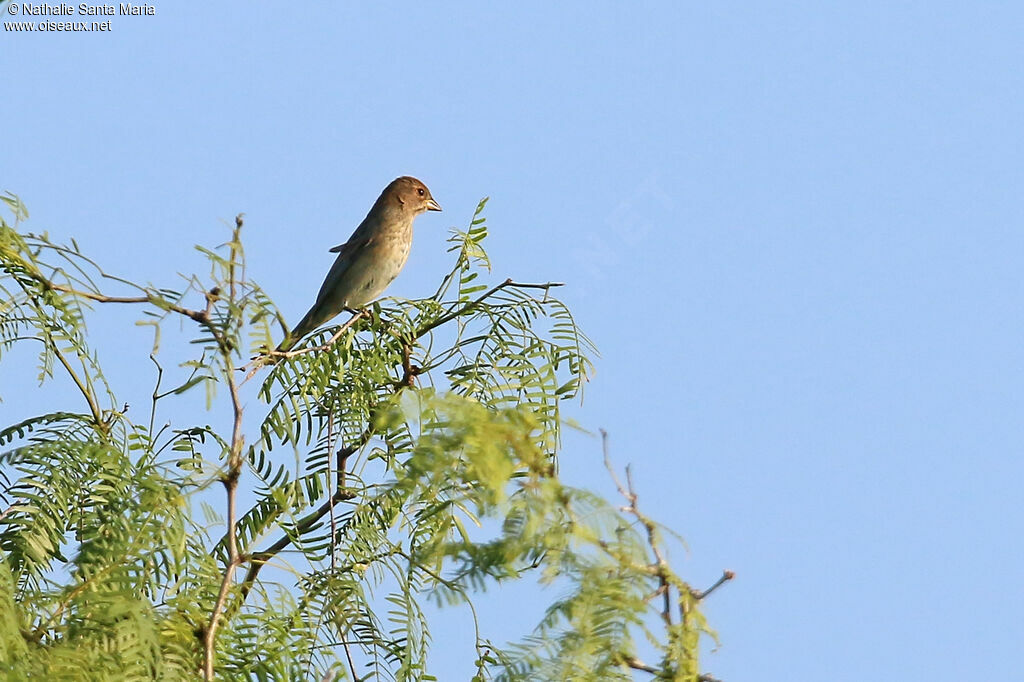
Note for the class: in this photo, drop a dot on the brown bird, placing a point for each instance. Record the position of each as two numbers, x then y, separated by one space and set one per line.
371 258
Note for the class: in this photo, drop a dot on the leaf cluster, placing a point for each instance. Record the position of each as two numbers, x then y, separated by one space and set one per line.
411 460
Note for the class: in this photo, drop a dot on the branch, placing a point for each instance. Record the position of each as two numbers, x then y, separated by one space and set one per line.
305 524
726 577
230 479
273 355
356 315
409 370
198 316
444 319
661 567
330 475
156 391
259 559
636 664
230 482
94 408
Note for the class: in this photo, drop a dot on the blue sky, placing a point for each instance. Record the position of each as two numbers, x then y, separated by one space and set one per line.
792 229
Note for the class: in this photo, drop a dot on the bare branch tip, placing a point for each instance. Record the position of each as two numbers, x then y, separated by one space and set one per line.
727 575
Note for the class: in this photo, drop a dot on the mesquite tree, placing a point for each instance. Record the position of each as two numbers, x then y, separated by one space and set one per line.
406 454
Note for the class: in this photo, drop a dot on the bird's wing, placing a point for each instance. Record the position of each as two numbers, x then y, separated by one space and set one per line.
362 237
355 242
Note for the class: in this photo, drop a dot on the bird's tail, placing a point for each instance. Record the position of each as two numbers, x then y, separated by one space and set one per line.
305 326
286 345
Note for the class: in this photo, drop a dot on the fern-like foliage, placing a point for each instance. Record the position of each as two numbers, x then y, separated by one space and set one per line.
408 455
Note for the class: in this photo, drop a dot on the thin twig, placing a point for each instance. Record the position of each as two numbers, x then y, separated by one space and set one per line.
94 407
200 316
356 315
156 392
330 479
230 479
273 356
230 482
636 664
726 577
235 245
196 315
351 663
259 559
661 567
444 319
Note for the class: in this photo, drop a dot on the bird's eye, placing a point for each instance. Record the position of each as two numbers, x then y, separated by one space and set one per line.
420 191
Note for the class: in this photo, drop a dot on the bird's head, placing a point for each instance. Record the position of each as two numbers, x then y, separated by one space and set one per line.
412 194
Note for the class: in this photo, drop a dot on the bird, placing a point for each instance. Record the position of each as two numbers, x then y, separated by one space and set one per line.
371 258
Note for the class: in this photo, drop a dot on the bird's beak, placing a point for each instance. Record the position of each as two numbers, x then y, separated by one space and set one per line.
433 205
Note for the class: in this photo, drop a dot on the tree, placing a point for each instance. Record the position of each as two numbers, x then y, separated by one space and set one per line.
424 435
